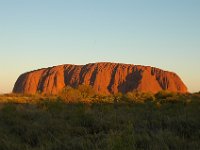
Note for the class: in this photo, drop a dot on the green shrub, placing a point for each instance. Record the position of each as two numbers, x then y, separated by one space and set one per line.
81 93
86 91
70 94
148 96
136 96
164 94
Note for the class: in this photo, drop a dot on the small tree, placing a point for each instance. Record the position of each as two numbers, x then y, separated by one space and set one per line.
134 96
70 94
86 91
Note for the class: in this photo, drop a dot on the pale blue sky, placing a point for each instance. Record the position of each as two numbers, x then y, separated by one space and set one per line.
43 33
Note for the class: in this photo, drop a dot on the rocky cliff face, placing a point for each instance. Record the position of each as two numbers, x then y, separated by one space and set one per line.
105 78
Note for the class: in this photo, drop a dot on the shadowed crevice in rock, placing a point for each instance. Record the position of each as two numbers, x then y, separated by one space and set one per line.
84 70
112 81
93 77
68 75
162 78
42 80
131 83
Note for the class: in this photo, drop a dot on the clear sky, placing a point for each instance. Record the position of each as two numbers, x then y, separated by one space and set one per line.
42 33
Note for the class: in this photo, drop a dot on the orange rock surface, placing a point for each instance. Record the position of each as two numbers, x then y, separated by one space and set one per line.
105 78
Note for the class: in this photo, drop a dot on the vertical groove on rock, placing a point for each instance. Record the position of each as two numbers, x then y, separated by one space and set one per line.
42 80
112 81
93 76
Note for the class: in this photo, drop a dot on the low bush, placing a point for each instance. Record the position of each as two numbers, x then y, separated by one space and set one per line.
86 91
69 94
81 93
140 97
165 95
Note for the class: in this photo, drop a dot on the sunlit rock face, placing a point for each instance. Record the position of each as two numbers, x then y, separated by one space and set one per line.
105 78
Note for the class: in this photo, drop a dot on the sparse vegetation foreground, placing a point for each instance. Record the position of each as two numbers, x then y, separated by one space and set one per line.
79 119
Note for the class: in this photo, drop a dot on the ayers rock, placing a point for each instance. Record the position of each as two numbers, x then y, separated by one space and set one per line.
105 78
